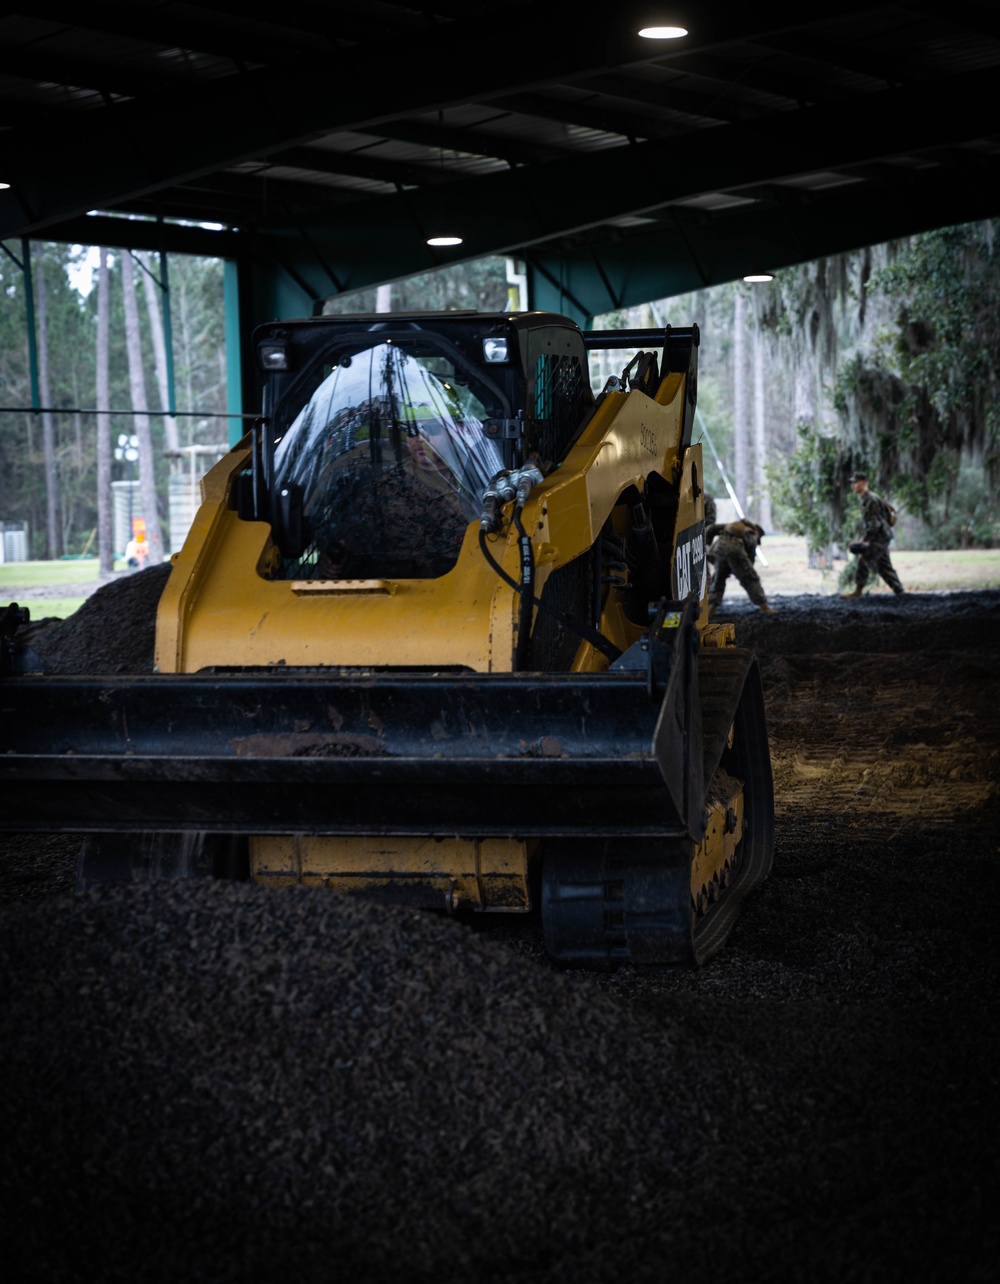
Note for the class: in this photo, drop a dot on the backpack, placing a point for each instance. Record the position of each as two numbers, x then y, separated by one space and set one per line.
890 512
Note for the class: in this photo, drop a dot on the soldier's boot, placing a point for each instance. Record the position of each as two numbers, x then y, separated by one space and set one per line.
765 609
853 593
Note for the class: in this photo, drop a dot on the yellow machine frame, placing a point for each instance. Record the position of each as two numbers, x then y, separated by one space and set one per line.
222 608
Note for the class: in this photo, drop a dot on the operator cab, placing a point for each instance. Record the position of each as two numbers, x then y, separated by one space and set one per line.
382 432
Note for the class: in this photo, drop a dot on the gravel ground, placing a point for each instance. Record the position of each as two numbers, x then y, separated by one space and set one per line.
215 1082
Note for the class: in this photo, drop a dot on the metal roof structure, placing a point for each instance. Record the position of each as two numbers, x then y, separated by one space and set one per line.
320 145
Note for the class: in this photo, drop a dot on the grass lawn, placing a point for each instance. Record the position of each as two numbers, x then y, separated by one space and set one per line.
79 577
41 574
921 571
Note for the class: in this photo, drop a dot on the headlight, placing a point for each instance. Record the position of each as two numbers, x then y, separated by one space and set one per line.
273 356
495 350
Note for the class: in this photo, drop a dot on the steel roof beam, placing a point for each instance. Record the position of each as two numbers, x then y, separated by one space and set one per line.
208 124
559 198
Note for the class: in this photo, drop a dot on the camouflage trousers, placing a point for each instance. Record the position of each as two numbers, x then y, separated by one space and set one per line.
876 562
735 563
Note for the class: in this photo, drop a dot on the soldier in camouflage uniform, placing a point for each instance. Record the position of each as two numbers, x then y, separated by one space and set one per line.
733 552
873 547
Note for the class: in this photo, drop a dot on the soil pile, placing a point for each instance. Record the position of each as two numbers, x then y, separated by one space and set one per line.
114 631
216 1082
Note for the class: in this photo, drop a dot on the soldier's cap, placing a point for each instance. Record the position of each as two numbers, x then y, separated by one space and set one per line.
856 477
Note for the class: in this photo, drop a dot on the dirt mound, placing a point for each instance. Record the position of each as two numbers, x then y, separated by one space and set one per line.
881 623
112 632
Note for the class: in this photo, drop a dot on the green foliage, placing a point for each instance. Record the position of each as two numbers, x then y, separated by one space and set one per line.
924 397
910 494
948 336
966 514
805 306
918 400
805 490
886 426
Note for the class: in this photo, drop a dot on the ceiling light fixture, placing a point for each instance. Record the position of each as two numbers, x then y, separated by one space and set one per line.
662 33
753 278
444 240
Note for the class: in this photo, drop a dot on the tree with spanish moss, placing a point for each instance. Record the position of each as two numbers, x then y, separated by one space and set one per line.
904 341
924 398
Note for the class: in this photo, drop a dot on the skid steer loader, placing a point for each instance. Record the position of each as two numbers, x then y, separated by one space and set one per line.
438 634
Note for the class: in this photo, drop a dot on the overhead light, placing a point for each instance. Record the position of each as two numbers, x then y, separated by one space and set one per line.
4 187
753 278
444 240
662 33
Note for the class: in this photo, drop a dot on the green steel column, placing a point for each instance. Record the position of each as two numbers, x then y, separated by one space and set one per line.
168 336
234 350
29 317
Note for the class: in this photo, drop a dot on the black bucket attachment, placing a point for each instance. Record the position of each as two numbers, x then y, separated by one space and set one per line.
473 755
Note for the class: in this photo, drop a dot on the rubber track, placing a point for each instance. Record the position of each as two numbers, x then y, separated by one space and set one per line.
729 682
614 900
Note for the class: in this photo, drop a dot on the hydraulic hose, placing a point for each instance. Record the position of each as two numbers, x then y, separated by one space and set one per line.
517 484
527 592
597 640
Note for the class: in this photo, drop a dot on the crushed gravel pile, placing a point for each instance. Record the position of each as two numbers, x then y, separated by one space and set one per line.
221 1083
207 1081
